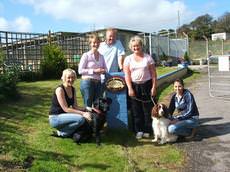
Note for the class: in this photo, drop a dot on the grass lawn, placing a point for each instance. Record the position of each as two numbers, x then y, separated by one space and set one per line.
26 144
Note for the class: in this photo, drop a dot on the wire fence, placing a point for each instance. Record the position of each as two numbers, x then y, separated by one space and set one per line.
198 49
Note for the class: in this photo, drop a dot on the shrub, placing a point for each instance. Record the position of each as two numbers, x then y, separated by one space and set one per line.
53 62
186 57
8 82
163 57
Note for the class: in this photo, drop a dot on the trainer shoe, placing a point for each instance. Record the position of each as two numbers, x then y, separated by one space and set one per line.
139 135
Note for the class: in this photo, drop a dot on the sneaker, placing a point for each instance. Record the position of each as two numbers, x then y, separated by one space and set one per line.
146 135
139 135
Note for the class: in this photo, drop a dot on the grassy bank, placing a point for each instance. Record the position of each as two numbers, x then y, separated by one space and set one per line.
26 144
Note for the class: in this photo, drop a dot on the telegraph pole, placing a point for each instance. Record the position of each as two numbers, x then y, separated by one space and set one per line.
178 22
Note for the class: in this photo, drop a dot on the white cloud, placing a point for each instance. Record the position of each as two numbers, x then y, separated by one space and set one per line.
147 15
19 24
22 24
4 25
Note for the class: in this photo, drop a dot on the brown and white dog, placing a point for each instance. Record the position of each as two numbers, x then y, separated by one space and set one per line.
160 124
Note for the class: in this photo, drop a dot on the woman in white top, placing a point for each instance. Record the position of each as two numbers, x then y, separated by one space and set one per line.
141 80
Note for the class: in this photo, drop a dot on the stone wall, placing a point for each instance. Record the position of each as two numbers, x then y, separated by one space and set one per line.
170 77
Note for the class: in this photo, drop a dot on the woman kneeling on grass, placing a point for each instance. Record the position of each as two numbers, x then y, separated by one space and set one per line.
65 115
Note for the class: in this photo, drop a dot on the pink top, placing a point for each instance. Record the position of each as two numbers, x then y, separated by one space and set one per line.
88 63
139 70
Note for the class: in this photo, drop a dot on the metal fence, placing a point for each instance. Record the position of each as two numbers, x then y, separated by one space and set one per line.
160 45
198 49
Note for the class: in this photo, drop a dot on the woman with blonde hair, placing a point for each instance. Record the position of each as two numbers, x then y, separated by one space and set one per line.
141 80
65 115
91 67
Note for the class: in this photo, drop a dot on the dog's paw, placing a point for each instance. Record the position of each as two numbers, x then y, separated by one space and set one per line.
154 140
162 142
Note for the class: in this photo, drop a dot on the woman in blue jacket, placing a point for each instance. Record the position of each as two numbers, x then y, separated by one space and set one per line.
183 111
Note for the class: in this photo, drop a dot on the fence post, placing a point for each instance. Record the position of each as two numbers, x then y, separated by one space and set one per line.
187 43
222 41
150 44
206 40
168 45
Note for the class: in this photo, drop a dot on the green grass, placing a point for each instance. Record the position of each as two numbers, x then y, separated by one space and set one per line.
164 70
26 144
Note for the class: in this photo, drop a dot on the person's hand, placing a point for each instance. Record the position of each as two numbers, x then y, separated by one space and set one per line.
87 116
131 92
173 121
99 70
153 92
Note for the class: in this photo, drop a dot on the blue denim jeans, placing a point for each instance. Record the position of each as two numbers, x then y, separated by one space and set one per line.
90 91
66 123
184 127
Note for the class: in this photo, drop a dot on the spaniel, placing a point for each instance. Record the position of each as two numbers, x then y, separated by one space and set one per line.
160 124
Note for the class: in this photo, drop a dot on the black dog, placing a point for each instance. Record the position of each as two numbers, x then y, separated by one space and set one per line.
84 133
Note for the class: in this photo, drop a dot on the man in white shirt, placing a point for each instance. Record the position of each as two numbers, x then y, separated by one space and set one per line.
113 51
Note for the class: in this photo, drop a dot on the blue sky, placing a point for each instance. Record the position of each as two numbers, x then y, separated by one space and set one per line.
40 16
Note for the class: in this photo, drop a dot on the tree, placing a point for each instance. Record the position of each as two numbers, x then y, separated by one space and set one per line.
53 62
186 28
202 26
223 23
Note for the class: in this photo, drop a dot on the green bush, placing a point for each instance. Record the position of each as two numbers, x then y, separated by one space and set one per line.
186 57
53 62
8 80
8 83
163 57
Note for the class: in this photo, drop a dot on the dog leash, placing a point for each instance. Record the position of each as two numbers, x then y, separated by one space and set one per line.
154 103
145 101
